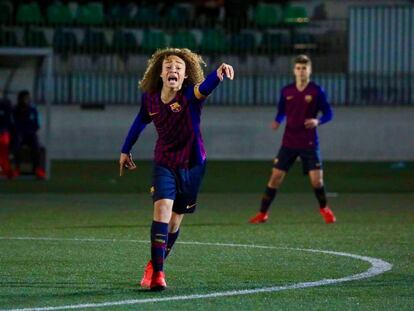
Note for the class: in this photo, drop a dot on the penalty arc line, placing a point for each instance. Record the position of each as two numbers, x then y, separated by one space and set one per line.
378 266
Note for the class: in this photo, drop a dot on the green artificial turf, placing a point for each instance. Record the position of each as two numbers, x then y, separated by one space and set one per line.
221 176
41 273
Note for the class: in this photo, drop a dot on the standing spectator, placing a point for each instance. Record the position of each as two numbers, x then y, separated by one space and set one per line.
26 120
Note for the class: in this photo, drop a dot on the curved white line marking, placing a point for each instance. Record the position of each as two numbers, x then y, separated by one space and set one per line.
378 266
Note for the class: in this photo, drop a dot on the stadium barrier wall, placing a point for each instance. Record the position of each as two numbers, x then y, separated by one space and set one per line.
355 134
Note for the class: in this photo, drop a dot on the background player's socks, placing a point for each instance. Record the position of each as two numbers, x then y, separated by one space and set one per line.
321 196
159 236
267 199
171 240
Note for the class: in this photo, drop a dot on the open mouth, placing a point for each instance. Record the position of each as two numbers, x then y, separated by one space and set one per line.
172 79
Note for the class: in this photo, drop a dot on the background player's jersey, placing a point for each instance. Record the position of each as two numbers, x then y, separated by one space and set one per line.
297 107
179 143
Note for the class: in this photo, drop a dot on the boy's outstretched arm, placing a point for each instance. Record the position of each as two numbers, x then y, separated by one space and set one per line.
225 70
205 88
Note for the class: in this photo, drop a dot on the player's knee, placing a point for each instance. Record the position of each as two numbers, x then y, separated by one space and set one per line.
161 217
162 212
317 182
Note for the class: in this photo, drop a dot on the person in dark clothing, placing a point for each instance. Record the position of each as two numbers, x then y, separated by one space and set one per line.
6 126
26 120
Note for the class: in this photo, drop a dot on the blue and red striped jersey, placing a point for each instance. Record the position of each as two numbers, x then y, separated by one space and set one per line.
180 143
297 106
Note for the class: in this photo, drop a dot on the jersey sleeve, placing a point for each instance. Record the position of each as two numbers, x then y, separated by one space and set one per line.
199 92
281 108
139 124
324 107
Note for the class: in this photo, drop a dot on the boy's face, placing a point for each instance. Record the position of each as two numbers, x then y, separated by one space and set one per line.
302 72
173 72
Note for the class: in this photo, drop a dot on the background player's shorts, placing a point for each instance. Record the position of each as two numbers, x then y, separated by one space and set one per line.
311 159
180 185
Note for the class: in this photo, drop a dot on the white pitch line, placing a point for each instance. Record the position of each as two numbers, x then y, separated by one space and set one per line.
378 266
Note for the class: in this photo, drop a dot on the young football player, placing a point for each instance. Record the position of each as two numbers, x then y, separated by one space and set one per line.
174 90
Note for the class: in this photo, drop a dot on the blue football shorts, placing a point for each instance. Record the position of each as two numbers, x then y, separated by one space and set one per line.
180 185
311 159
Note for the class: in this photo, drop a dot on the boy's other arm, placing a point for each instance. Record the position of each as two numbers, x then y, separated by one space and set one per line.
281 112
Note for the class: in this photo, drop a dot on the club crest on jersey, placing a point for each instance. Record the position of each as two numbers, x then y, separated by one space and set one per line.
308 98
175 107
289 97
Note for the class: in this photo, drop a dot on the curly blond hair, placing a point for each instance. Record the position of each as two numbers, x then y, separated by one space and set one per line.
152 82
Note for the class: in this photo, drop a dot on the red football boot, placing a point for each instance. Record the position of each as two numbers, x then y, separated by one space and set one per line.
158 281
259 218
40 173
147 277
327 215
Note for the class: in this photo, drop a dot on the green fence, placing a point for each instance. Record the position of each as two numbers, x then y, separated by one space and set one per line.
101 51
